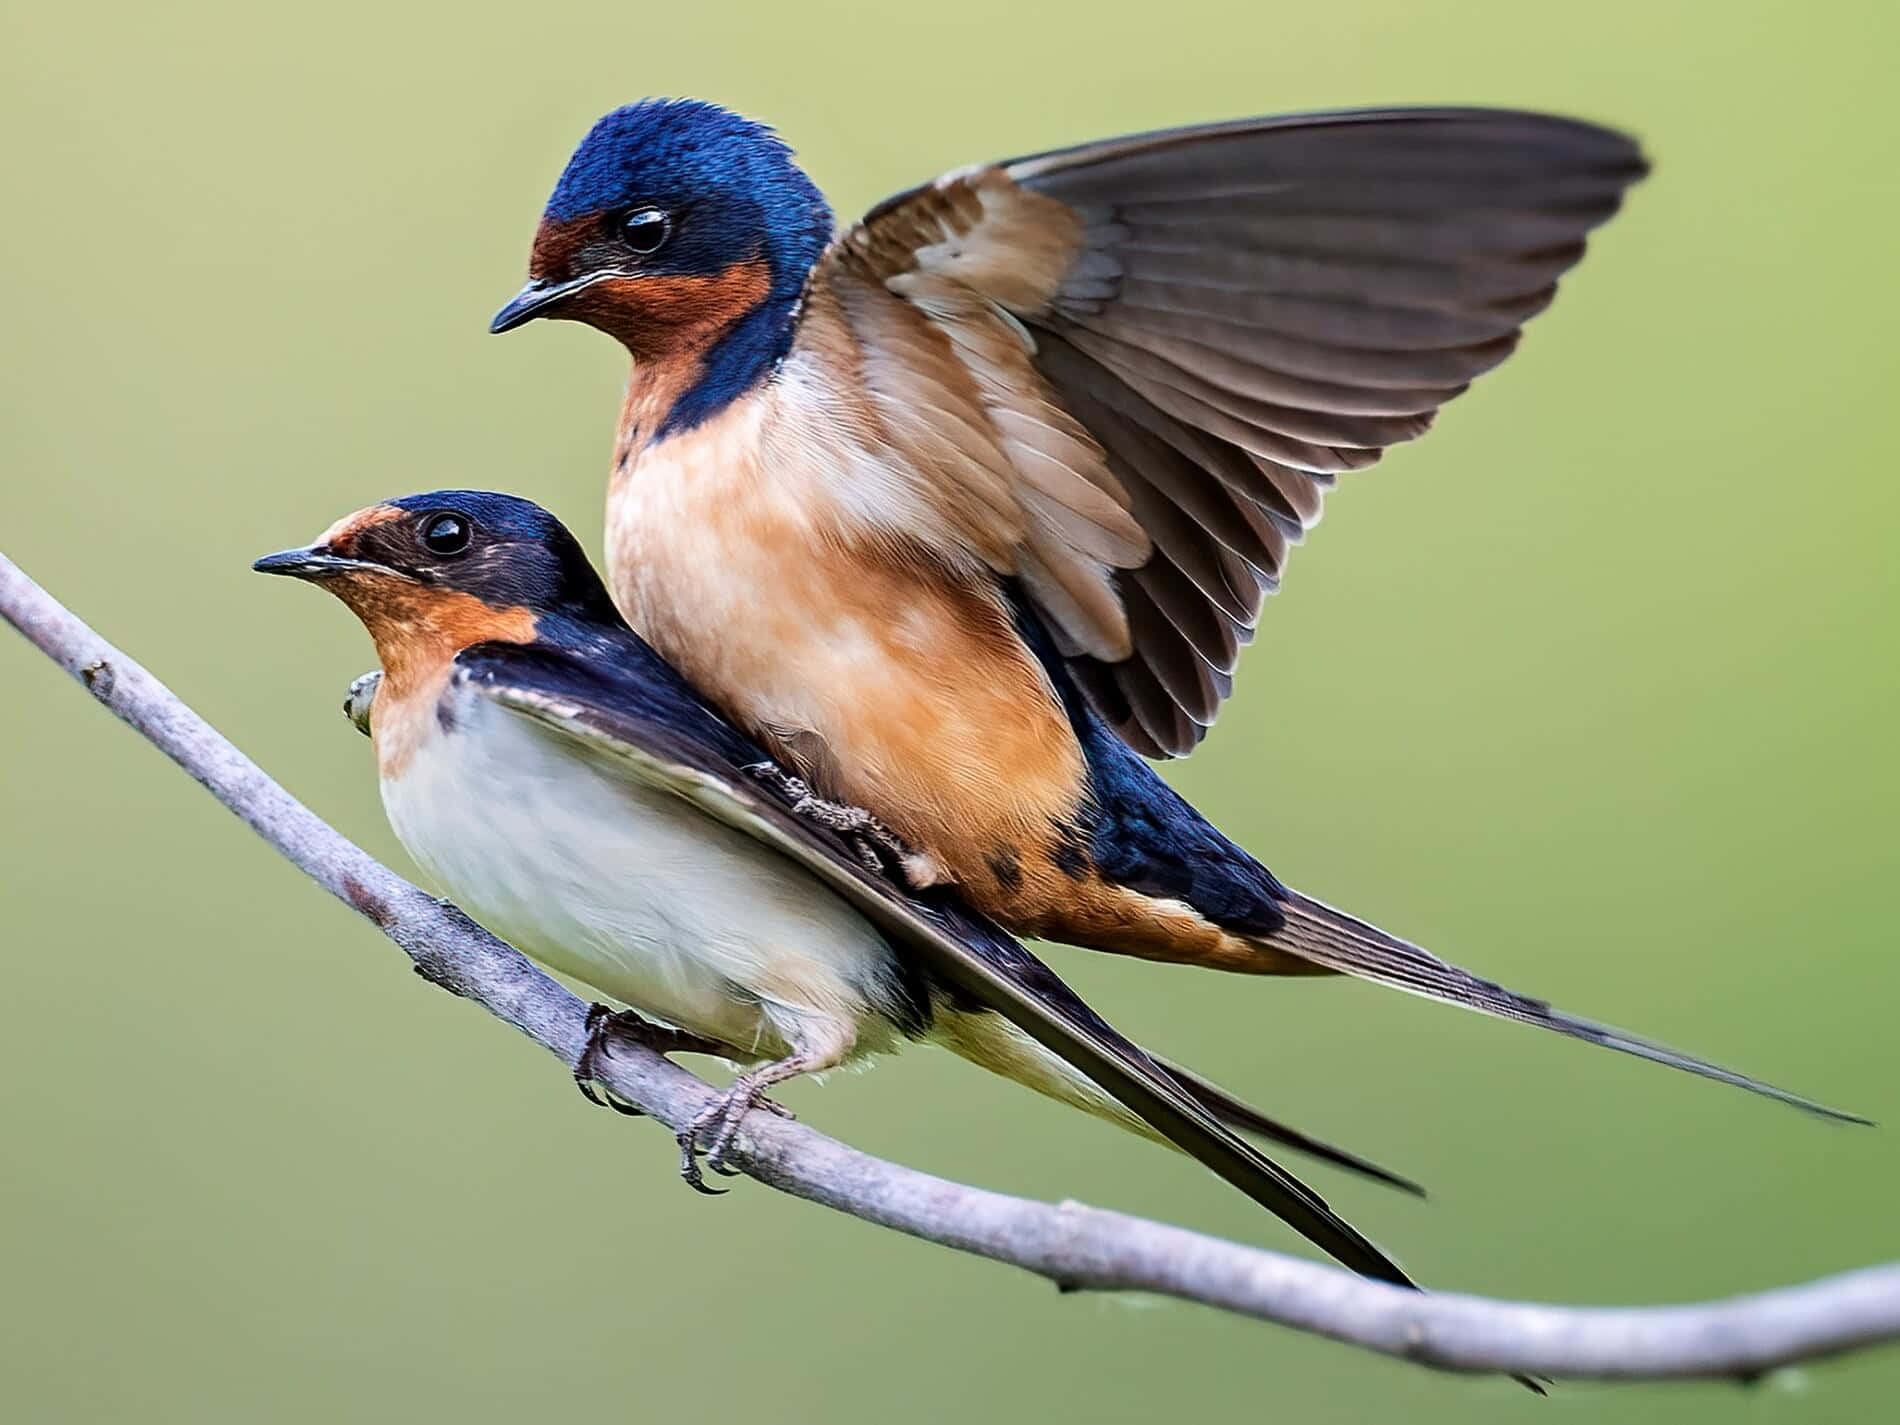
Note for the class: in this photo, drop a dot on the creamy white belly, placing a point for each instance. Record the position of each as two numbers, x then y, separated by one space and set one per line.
633 891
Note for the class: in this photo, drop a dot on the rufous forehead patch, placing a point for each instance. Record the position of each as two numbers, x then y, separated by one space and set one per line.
556 245
339 537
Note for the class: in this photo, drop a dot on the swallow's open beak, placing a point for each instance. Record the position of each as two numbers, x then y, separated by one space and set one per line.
313 561
535 298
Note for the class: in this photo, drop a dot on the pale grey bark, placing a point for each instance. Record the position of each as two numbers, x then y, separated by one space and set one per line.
1073 1245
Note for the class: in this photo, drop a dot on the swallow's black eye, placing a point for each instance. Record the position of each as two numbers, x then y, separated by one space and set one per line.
445 534
646 230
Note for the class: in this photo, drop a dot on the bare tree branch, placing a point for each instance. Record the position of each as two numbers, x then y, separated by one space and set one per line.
1073 1245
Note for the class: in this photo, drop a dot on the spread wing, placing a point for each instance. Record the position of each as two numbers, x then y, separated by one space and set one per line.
651 723
1127 373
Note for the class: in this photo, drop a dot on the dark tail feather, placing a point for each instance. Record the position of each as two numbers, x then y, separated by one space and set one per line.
1243 1116
1343 942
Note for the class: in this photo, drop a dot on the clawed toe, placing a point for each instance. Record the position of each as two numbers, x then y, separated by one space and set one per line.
723 1112
879 849
722 1117
599 1020
688 1139
606 1098
793 789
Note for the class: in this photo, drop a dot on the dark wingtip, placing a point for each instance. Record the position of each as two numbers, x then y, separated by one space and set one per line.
1819 1110
1417 1190
1238 1114
1352 1163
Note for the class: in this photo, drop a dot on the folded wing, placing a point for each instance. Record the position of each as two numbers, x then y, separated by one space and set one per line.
660 733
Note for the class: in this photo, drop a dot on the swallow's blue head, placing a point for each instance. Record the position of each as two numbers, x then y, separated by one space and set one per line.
686 232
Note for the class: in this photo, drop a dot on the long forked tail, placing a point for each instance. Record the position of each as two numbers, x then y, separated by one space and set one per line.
1169 1114
1342 942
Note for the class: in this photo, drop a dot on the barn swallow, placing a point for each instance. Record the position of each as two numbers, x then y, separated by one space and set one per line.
963 511
572 792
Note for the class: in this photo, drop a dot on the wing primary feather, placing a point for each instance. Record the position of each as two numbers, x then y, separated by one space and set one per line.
1241 523
1421 283
1301 356
1313 424
1263 383
1183 546
1470 235
1238 1114
1162 719
1318 319
1577 137
1186 677
1212 635
1105 695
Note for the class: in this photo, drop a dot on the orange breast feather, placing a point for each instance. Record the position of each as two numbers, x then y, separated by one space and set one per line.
742 551
822 562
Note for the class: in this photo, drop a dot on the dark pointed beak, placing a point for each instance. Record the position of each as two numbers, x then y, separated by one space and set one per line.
535 298
313 561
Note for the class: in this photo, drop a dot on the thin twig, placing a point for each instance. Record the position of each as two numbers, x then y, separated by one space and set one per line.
1073 1245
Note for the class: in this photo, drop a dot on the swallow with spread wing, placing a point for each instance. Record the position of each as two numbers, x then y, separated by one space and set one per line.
570 790
963 510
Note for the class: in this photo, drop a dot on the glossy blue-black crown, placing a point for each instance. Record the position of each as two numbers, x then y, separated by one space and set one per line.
519 554
709 165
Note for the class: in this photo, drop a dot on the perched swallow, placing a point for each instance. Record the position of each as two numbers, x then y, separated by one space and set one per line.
960 510
571 791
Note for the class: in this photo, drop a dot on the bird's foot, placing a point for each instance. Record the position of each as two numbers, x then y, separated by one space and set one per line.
357 701
603 1022
880 850
722 1117
600 1021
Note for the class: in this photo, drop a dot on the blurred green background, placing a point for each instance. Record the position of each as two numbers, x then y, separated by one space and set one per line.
1595 690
